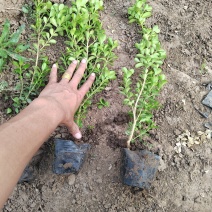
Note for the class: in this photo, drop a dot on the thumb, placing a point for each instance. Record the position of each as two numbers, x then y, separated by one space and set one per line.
74 130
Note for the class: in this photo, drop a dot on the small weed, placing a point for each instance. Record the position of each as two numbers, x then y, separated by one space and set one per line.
103 103
3 86
10 48
203 67
26 9
90 127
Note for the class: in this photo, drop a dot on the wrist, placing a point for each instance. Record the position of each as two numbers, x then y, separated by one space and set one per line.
50 107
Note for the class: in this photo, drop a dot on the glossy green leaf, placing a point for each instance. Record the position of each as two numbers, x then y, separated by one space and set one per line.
53 21
9 110
16 56
15 36
146 15
5 31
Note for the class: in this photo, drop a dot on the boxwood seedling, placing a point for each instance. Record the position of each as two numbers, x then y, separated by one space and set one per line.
87 39
141 96
33 75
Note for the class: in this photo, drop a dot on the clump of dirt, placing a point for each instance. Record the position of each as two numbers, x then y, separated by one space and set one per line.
10 9
122 118
183 183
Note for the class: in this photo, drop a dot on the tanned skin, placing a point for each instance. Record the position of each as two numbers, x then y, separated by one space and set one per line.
22 136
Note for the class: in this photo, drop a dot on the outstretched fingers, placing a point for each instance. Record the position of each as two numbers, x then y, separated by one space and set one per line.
68 74
78 74
74 129
53 74
87 85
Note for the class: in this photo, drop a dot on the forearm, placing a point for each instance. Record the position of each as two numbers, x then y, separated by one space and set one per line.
20 138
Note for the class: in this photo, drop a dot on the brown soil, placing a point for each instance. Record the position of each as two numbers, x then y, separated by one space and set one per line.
182 183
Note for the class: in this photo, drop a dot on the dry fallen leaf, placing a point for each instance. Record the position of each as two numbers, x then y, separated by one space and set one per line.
187 139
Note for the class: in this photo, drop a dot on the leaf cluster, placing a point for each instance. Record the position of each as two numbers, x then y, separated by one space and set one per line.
103 103
84 36
139 12
10 46
141 96
32 75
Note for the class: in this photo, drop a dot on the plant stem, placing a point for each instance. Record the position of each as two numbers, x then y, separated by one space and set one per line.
22 84
135 111
87 98
87 47
34 85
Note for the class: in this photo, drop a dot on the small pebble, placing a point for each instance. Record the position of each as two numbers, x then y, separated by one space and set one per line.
71 179
184 198
99 180
177 132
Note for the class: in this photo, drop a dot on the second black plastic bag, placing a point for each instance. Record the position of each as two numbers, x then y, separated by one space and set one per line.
69 157
139 168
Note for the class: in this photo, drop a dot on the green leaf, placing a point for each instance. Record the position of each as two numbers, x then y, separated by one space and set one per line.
146 15
29 101
3 53
25 10
125 69
5 31
16 36
139 4
101 37
148 8
1 64
9 110
21 48
138 65
16 56
61 6
26 66
52 41
100 106
16 99
45 19
44 66
162 77
157 71
53 21
156 29
17 110
137 60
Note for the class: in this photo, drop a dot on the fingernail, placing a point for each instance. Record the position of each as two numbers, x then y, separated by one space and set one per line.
83 60
75 62
78 135
93 75
54 66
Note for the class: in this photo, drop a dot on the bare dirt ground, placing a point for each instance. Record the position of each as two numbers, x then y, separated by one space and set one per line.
184 182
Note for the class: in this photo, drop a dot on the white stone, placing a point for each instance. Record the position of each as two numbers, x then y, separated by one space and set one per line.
71 179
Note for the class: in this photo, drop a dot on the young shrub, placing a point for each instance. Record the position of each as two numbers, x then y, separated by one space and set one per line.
87 39
141 95
49 19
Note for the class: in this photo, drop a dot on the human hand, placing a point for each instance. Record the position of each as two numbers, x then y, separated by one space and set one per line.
66 95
